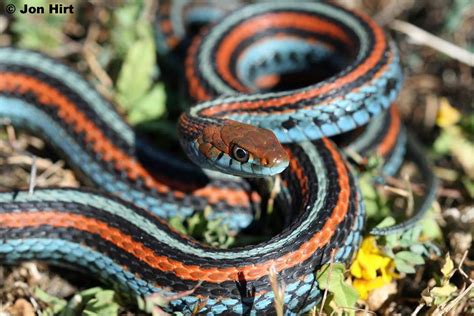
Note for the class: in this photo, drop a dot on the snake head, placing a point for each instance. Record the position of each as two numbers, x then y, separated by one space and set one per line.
243 150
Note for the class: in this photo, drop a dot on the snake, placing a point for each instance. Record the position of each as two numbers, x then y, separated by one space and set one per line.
242 123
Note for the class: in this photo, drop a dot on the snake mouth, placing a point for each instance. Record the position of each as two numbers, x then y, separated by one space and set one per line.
210 157
252 168
275 168
240 149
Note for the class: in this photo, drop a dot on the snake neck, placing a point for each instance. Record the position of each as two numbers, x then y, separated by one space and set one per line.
45 97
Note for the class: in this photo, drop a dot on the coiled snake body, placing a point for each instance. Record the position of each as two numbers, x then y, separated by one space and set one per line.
122 239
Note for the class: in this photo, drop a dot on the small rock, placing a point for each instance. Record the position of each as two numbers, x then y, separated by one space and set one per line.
21 308
378 296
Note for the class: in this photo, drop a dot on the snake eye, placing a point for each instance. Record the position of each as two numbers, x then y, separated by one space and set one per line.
240 154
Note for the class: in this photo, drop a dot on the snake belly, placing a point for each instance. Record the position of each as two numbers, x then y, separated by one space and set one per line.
120 237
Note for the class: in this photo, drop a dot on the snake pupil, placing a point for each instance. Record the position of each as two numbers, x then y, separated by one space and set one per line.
240 154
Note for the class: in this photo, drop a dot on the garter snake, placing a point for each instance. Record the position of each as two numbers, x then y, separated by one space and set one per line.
118 233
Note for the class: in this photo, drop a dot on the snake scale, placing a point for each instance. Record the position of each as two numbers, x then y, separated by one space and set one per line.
270 82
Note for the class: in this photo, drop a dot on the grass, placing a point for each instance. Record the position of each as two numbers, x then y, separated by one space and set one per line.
104 42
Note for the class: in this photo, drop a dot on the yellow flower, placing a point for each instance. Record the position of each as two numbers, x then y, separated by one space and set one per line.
371 269
447 115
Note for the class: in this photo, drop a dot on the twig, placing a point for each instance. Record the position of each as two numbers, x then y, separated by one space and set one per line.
278 291
158 298
31 186
431 111
149 10
417 309
410 197
69 48
355 156
52 169
400 184
453 303
365 311
88 51
157 311
397 191
464 274
392 10
418 188
12 140
26 158
276 189
422 37
96 68
325 294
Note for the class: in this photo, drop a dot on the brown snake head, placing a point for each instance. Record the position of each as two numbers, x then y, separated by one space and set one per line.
242 149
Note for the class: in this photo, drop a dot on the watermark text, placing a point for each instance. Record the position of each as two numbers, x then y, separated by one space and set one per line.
53 8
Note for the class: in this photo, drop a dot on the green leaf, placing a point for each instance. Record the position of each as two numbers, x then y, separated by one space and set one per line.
430 227
410 237
331 277
90 293
441 294
197 225
443 143
56 304
150 302
151 106
467 124
136 75
469 185
448 267
375 206
218 235
38 31
457 10
386 222
404 240
404 266
177 223
419 249
103 303
405 261
453 141
123 32
410 257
